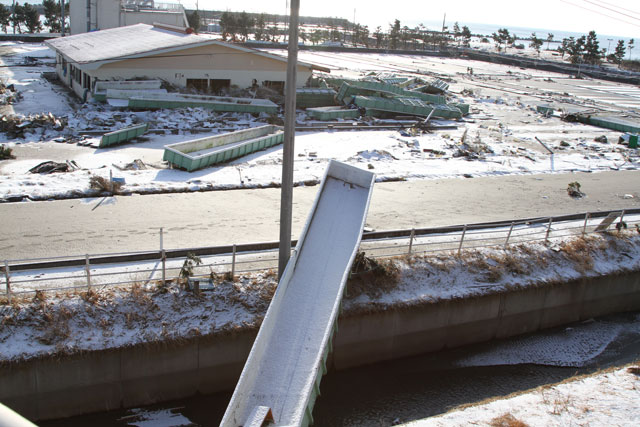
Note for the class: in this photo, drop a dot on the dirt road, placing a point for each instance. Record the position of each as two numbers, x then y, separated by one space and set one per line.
123 224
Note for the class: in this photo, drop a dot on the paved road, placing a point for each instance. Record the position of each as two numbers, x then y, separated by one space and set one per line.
123 224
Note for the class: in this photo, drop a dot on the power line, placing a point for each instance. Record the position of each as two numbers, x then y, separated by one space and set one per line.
620 7
599 13
611 9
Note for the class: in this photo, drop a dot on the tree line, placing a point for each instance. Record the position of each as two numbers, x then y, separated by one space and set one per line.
26 17
582 50
239 26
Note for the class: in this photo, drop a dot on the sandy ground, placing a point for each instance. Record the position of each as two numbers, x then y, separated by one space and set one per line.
123 224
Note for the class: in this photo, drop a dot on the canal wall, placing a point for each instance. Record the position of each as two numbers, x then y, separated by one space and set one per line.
62 386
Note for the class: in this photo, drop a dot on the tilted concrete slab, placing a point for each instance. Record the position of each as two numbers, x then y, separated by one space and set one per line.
287 361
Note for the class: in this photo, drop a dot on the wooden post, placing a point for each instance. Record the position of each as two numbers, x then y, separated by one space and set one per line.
506 243
546 237
464 231
413 233
88 271
7 276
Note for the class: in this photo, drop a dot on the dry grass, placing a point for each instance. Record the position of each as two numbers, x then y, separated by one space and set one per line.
103 184
372 277
507 420
579 252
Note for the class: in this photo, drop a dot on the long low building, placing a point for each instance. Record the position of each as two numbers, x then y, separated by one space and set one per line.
168 53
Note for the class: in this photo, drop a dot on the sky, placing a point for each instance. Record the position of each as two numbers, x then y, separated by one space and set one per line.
607 17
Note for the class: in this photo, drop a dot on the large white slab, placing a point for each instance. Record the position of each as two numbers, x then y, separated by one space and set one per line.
286 357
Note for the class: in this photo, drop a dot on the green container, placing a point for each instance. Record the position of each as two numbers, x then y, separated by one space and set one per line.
122 135
547 110
332 113
312 97
410 106
633 141
203 152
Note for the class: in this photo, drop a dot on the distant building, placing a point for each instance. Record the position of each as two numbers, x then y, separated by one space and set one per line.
169 53
93 15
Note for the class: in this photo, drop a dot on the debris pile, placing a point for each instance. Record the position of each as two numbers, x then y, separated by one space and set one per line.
574 190
52 167
9 94
16 126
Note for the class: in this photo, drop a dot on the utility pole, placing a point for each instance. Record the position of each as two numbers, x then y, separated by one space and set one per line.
62 17
286 198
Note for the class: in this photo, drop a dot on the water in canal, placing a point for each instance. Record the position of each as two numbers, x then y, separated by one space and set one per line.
387 393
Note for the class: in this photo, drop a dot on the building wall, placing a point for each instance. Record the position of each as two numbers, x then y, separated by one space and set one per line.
107 14
149 17
207 62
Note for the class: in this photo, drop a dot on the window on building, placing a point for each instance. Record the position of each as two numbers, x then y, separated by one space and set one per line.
275 85
215 85
201 85
86 81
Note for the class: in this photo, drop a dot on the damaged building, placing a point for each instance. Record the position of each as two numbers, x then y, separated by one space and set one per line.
172 54
94 15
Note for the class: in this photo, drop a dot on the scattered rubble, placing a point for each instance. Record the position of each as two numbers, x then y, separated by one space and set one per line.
16 126
573 189
9 94
53 167
602 138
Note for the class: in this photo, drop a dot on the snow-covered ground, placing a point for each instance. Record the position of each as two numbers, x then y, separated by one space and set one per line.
498 136
607 398
499 140
110 316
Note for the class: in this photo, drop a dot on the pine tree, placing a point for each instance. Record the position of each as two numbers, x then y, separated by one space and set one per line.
536 43
194 20
228 26
592 53
394 34
32 19
5 17
259 30
618 54
379 35
466 36
549 39
52 15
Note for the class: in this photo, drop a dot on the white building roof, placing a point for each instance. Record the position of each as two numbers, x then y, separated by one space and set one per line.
136 41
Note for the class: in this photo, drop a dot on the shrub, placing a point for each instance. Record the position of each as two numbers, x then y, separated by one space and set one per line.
6 153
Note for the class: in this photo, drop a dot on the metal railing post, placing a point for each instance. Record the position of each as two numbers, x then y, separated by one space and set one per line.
7 277
163 258
464 231
164 268
233 263
506 242
546 236
413 233
87 270
584 227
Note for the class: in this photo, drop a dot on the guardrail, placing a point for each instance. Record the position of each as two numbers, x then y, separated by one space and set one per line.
87 272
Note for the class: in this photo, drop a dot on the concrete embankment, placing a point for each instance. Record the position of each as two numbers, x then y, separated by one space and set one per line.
61 386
